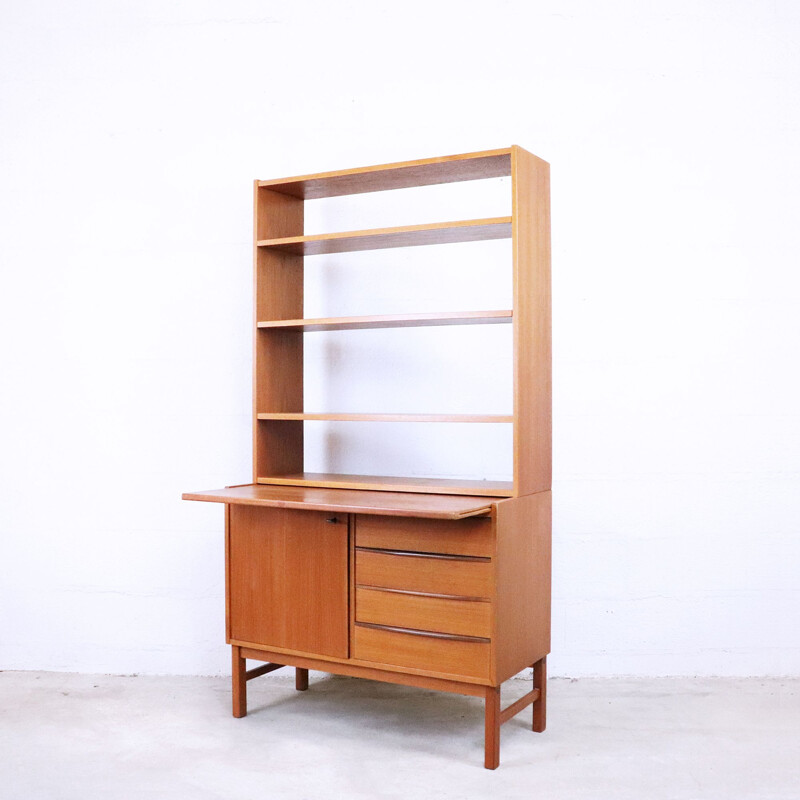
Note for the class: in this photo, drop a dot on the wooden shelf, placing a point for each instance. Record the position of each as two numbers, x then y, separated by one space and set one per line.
387 417
381 483
400 175
471 230
349 501
390 321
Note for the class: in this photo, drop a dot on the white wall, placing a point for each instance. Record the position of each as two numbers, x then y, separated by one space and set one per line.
130 134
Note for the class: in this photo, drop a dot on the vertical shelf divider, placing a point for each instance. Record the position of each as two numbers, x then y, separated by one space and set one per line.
277 357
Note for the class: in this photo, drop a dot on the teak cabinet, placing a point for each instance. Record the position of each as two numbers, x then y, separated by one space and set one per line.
435 583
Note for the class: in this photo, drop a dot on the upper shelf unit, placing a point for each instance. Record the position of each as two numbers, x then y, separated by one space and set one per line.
280 245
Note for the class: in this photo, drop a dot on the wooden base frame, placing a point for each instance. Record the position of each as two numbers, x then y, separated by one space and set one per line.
240 675
494 716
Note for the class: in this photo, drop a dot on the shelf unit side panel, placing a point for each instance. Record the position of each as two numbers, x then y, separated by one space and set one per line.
278 287
530 178
278 355
277 215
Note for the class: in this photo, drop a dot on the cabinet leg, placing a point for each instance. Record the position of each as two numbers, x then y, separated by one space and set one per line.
540 706
239 683
300 679
492 734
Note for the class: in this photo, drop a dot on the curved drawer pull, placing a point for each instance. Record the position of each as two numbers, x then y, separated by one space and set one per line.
415 554
414 632
437 595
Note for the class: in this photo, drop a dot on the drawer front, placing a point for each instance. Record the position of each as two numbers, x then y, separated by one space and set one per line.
466 537
424 612
402 649
420 573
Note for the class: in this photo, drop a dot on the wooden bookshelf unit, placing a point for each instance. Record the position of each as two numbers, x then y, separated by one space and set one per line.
436 583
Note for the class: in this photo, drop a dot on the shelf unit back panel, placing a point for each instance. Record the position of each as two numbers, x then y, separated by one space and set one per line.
280 247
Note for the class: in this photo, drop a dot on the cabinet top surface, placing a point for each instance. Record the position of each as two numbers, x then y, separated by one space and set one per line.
352 501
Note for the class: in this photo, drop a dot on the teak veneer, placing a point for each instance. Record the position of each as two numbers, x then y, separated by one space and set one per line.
428 582
390 321
393 484
473 230
390 417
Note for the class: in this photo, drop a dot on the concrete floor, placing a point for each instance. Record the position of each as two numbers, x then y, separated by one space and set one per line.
65 736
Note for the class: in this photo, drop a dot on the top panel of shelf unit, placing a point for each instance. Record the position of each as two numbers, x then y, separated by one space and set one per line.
350 501
400 175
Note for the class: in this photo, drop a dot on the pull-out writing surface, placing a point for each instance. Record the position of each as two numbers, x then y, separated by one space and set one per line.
349 501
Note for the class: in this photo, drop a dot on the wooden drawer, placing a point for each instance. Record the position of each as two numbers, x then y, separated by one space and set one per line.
424 612
435 652
416 572
466 537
